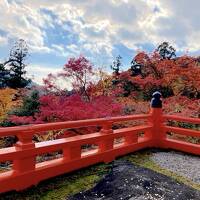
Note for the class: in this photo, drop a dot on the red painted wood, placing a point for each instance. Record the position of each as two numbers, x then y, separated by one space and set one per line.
182 119
182 131
26 172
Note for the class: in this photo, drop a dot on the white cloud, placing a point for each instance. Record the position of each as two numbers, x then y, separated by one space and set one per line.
177 22
3 41
99 25
39 71
20 21
106 22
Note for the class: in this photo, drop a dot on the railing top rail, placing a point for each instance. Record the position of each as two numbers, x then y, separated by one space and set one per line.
182 119
10 153
69 124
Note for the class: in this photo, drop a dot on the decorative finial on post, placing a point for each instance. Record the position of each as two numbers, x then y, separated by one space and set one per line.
156 101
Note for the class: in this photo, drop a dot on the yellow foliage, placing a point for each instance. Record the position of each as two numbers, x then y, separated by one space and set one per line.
104 85
8 100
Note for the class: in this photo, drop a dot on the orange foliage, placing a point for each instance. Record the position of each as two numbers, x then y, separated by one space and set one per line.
8 100
103 86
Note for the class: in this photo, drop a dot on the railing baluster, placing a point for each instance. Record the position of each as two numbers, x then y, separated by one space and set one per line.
72 153
107 144
131 138
26 163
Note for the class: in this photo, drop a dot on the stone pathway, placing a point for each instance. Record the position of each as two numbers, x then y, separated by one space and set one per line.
180 163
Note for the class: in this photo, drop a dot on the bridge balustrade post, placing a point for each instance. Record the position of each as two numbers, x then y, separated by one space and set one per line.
131 139
24 163
107 144
157 120
72 153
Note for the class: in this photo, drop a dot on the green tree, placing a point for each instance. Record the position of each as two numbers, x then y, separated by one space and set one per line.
166 51
135 68
17 63
116 65
2 76
30 105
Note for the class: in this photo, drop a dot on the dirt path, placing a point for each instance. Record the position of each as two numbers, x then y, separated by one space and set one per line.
130 182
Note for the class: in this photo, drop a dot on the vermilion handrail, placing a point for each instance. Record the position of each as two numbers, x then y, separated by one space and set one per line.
26 172
182 119
182 131
175 143
69 124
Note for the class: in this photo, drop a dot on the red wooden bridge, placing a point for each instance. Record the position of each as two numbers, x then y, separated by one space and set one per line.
26 172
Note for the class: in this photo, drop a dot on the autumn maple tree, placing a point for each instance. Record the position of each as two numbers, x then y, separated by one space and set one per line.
82 91
94 93
77 72
177 76
83 103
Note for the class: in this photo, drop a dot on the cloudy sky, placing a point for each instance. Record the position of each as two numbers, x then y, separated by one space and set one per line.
99 29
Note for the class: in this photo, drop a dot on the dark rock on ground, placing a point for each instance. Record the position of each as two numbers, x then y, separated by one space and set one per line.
130 182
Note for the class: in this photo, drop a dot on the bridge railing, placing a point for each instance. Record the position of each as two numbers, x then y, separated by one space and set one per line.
177 144
26 171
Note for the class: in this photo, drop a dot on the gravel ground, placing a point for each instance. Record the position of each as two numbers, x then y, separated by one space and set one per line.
130 182
182 164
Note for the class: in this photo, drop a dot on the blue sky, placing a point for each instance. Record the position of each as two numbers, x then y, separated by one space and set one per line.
98 29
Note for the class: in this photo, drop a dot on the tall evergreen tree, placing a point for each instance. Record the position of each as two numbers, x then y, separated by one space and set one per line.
17 62
166 51
116 65
2 76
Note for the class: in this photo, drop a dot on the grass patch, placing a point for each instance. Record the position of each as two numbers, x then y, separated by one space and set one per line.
143 159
